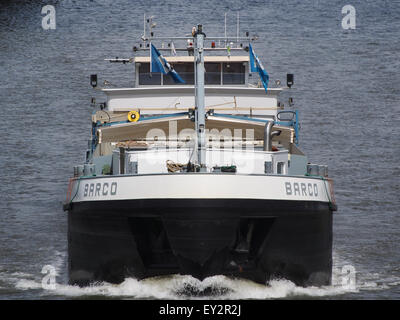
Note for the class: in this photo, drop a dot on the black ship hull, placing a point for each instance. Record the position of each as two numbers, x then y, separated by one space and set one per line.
258 240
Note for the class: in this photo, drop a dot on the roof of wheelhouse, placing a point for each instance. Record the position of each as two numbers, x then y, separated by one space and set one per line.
175 59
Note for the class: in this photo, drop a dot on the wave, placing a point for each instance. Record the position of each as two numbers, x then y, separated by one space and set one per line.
177 287
216 287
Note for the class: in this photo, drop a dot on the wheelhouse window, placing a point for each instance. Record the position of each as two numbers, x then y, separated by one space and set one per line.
147 78
213 73
233 73
216 73
185 71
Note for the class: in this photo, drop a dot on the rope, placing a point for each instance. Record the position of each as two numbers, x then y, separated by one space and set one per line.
77 189
69 191
330 195
332 202
173 166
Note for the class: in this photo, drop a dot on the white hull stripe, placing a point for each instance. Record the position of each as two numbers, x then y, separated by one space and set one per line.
200 186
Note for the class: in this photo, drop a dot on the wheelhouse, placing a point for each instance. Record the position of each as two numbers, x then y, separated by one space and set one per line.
220 70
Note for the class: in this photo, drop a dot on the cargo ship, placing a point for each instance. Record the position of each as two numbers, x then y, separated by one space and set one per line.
197 170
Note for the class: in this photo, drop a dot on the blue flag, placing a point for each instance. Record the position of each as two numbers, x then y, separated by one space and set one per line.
255 65
159 64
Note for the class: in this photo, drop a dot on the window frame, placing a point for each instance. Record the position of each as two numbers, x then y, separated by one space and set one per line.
138 66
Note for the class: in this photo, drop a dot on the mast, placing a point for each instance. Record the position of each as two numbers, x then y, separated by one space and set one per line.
199 96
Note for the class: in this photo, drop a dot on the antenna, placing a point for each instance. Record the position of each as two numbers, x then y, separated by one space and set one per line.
144 26
151 25
237 30
225 30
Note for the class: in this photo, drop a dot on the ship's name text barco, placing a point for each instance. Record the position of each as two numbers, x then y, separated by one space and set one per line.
100 189
301 189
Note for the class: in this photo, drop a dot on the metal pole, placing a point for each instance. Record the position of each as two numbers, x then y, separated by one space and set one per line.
199 97
237 30
268 136
225 30
144 27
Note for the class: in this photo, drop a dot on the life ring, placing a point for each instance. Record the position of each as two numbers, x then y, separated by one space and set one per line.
133 116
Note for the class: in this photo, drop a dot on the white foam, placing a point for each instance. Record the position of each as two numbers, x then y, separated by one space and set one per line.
173 287
26 284
145 289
